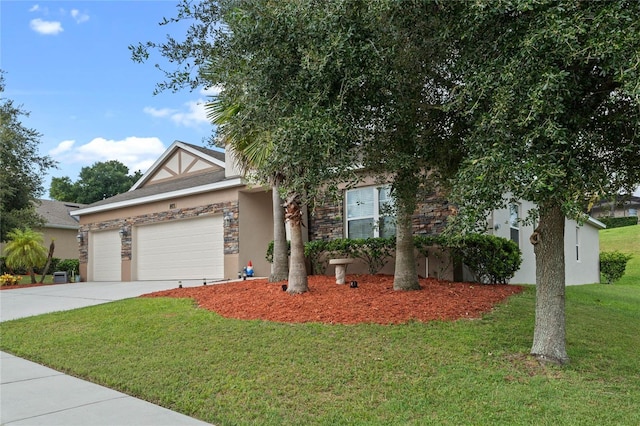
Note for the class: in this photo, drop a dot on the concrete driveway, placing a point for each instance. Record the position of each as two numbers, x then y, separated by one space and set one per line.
31 394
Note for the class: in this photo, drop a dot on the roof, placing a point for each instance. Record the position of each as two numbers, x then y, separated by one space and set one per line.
57 213
215 157
189 185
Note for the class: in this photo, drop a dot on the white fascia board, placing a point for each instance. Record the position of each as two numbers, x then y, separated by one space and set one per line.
596 223
159 197
49 225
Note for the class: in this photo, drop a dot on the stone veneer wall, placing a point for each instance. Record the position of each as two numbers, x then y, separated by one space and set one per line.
228 209
327 221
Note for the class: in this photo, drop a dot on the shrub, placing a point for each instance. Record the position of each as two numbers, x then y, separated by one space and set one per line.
374 251
269 255
618 222
490 259
71 266
613 265
8 279
314 250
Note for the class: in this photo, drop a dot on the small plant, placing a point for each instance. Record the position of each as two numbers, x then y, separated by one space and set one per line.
613 265
8 279
71 266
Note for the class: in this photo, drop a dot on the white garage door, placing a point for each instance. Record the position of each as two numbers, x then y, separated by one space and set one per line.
104 256
182 249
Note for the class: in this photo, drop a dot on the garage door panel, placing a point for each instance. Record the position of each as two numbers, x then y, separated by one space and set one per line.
185 249
105 256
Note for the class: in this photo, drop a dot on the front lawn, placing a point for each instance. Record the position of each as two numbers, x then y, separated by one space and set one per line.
228 371
626 240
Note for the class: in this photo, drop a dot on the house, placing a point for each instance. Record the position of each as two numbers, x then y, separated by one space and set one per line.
581 244
192 216
59 226
621 207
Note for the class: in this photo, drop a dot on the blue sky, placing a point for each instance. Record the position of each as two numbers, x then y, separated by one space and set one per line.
68 64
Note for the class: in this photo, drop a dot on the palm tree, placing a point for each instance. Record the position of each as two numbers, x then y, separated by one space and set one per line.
25 250
250 154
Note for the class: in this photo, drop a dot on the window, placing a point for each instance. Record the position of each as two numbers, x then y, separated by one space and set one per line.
370 212
514 223
578 243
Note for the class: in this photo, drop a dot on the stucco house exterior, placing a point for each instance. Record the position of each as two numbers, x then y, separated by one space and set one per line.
192 216
59 226
581 245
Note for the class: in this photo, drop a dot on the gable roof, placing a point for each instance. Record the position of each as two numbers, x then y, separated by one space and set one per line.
209 156
182 185
57 213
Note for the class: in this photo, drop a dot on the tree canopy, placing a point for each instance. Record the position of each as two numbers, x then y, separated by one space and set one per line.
22 168
96 182
551 89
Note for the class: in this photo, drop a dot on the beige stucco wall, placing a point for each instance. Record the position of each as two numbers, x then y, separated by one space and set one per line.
256 230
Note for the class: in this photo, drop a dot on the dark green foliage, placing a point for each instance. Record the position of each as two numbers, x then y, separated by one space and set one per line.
22 169
269 255
101 180
613 265
618 222
491 259
71 266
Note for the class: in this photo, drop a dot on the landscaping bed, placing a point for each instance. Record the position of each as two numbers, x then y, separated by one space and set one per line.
373 301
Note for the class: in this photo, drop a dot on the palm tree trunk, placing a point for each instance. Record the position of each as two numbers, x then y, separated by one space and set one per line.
280 265
298 282
549 333
45 270
405 276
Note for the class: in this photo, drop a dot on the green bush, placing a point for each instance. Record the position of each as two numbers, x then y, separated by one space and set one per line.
618 222
374 251
314 250
613 265
269 255
71 266
491 259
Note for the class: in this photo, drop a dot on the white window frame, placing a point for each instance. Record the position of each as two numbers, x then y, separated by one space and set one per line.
514 225
376 216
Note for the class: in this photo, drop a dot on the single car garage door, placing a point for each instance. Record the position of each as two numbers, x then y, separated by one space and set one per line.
181 249
105 263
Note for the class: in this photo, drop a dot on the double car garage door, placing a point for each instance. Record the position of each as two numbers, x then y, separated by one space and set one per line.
181 249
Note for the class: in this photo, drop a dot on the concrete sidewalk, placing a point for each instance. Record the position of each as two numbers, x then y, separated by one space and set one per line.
31 394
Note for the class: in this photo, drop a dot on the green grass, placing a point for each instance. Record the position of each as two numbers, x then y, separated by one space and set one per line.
232 372
626 240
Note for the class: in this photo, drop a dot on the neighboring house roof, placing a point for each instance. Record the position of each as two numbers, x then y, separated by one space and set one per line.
151 188
57 213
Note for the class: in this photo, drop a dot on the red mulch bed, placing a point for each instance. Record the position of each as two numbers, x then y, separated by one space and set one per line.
11 287
373 301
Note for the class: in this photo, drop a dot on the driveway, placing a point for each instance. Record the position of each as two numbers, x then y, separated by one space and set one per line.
19 303
31 394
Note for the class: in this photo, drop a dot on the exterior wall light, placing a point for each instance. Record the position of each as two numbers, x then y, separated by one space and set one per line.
123 232
79 237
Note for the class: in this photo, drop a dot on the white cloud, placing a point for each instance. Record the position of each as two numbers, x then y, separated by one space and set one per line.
193 116
154 112
46 27
80 17
211 91
135 152
62 147
34 8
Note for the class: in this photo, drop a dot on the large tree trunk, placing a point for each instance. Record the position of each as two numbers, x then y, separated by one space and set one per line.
297 270
405 276
280 265
549 334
